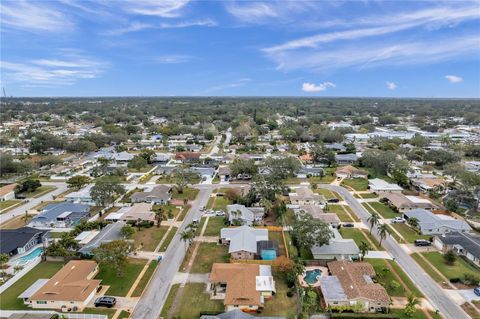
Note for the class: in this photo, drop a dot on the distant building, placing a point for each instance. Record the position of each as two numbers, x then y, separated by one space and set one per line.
60 215
160 194
246 215
346 158
20 240
403 203
350 171
435 224
82 196
7 192
305 196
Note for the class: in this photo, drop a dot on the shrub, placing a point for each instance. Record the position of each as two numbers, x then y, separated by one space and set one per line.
471 279
290 294
454 280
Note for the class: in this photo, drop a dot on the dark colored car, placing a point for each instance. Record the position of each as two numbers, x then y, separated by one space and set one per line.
422 242
348 225
104 301
477 291
333 200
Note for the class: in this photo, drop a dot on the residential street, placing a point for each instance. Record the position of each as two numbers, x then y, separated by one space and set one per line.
438 298
20 210
153 299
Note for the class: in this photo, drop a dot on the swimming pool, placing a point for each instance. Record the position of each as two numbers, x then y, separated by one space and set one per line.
32 255
268 254
312 276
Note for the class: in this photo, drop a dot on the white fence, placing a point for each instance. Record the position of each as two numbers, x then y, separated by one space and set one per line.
7 313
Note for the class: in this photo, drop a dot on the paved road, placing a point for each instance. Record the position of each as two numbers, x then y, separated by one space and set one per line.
20 210
437 297
152 301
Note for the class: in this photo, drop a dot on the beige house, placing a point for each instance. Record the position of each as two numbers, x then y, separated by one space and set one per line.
403 203
70 289
136 212
350 171
305 196
241 286
7 192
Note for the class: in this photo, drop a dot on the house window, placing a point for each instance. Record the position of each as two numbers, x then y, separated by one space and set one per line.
41 302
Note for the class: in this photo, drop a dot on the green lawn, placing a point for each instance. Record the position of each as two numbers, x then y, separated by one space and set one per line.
418 314
428 269
149 238
338 209
45 270
200 226
188 193
408 232
359 235
100 311
183 213
170 300
327 179
292 250
207 255
277 236
119 286
124 315
194 300
168 239
358 184
458 270
326 192
413 288
218 202
146 277
281 304
396 236
42 190
385 276
4 205
368 195
382 209
215 224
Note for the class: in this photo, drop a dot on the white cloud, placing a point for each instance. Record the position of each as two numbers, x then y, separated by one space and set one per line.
139 26
66 69
234 84
453 78
252 11
173 59
312 88
391 85
33 17
163 8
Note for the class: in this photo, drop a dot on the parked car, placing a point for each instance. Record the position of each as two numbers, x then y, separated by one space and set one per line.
398 219
477 291
333 200
422 242
202 209
348 225
219 213
105 301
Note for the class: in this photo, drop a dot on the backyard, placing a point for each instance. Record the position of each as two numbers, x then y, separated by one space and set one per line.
358 184
280 304
149 238
119 286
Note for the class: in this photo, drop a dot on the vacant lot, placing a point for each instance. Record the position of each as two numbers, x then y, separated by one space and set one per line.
119 286
382 209
188 193
207 255
358 184
408 233
193 300
339 210
215 224
149 238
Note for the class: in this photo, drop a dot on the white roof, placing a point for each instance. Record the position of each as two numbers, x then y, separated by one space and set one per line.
264 283
33 288
114 216
380 184
243 238
418 200
85 237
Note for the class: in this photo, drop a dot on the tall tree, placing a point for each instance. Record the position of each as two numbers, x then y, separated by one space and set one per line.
78 181
410 307
309 231
364 248
113 253
105 190
373 220
383 231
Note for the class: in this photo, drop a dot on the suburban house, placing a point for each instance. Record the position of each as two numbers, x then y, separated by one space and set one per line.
160 194
246 215
426 184
346 158
224 173
81 197
318 213
464 244
350 171
7 192
20 240
108 233
380 186
137 212
60 215
351 284
305 196
403 203
435 224
337 248
187 156
70 289
243 241
244 287
307 171
234 314
335 146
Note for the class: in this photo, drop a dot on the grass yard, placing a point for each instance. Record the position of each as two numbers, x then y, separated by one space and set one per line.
408 232
395 235
277 236
354 216
45 270
458 270
327 179
119 286
170 300
218 203
183 213
292 250
428 269
194 300
200 226
188 193
281 304
382 209
8 204
325 192
385 276
215 224
16 222
368 195
359 235
145 279
149 238
207 255
418 315
406 280
42 190
100 311
168 239
338 209
124 315
358 184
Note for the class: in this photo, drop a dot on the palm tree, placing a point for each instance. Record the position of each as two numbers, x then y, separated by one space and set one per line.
383 231
413 222
159 216
266 204
186 236
373 220
410 306
364 248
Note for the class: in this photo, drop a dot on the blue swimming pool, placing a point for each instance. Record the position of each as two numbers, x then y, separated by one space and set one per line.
268 254
32 255
312 276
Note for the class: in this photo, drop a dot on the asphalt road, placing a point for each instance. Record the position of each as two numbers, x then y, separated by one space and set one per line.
153 299
20 210
432 291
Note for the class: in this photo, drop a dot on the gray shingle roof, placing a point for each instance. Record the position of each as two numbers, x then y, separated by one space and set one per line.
469 242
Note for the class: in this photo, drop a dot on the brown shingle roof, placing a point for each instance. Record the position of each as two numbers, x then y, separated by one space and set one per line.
356 282
349 169
7 189
70 283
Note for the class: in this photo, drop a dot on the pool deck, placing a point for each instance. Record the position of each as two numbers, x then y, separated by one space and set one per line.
302 281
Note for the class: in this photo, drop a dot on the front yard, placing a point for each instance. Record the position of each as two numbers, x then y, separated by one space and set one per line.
145 279
119 286
215 224
168 239
339 210
327 193
149 238
359 235
42 190
218 203
408 233
384 210
188 193
358 184
6 204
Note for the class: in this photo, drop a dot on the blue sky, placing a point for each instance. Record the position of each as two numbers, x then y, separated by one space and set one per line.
250 48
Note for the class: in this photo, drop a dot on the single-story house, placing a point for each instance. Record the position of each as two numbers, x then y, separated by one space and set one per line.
318 213
435 224
137 212
306 172
81 197
335 146
109 233
160 194
7 192
242 286
350 171
305 196
246 215
122 157
346 158
224 172
338 248
426 184
188 156
234 314
379 186
465 244
70 289
60 215
351 284
242 241
20 240
403 203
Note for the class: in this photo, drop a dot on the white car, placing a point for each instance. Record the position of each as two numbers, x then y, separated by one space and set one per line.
398 220
219 213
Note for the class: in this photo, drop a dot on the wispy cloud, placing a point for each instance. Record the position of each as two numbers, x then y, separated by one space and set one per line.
251 11
313 88
139 26
453 78
391 85
275 11
234 84
33 16
173 59
164 8
65 69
